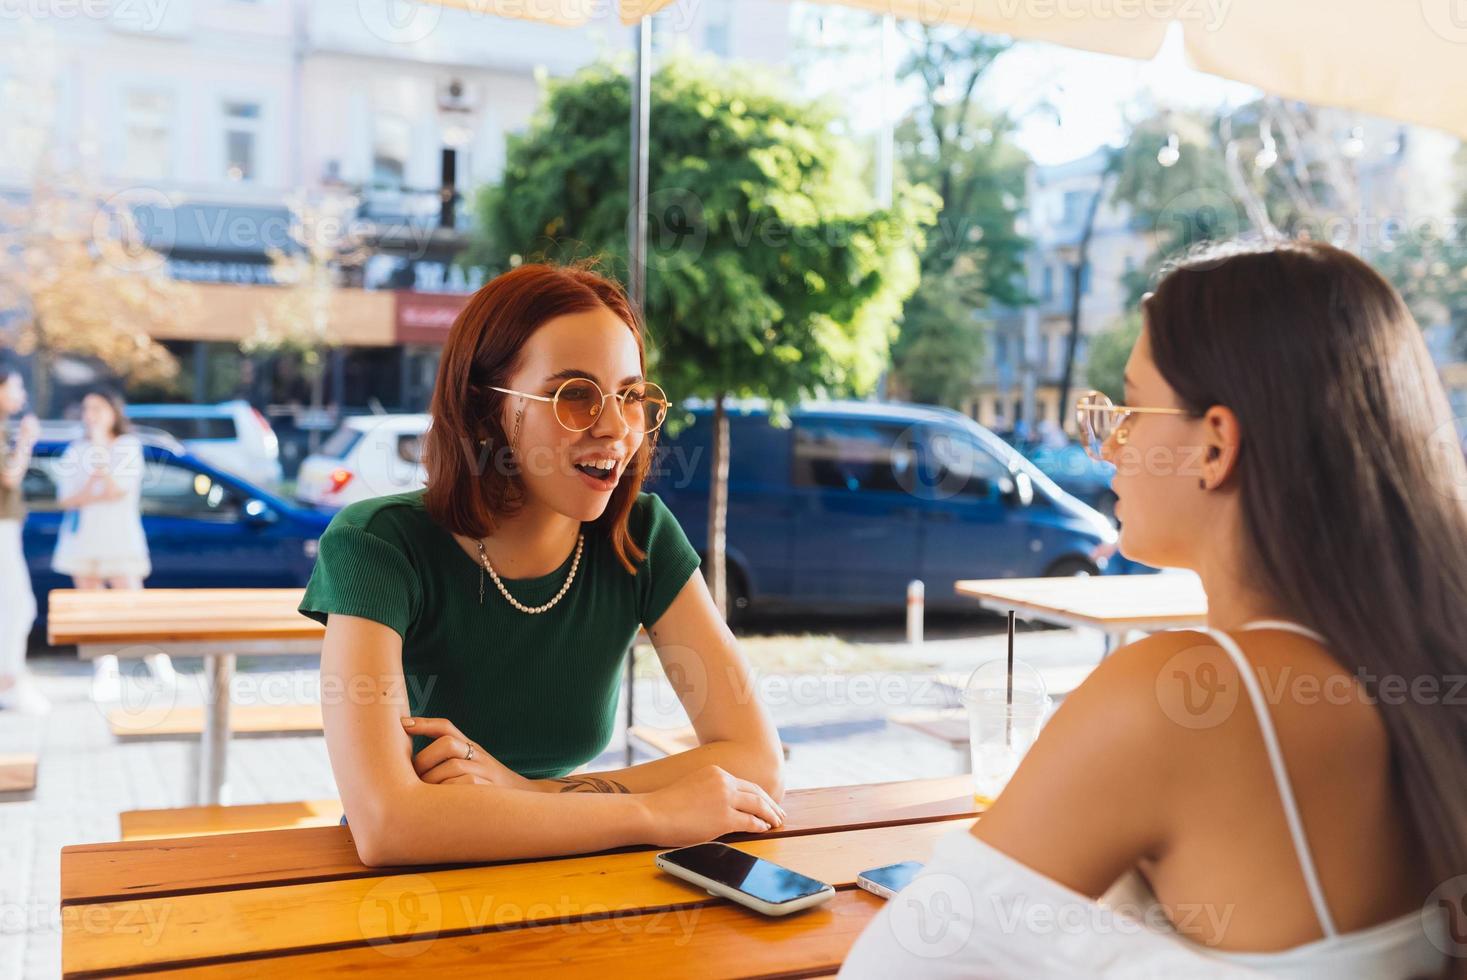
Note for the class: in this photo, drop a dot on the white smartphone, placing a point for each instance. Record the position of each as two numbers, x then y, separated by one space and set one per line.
889 880
741 877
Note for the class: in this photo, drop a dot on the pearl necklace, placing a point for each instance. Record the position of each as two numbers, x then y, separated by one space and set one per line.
487 567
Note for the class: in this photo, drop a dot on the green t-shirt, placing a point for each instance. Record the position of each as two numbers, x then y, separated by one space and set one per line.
539 692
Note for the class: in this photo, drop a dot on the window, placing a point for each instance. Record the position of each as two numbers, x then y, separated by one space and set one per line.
391 139
1001 354
196 427
1044 361
39 485
961 467
342 441
853 455
170 490
1049 282
241 138
1076 203
410 449
147 146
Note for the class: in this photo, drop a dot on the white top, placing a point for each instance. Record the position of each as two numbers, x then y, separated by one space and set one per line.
102 539
976 912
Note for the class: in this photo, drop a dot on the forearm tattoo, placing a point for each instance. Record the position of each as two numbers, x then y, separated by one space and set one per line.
590 784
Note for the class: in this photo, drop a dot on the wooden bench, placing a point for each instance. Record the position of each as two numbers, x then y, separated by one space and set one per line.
17 775
203 821
183 722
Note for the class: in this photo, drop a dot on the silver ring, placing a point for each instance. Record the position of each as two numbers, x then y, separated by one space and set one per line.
470 753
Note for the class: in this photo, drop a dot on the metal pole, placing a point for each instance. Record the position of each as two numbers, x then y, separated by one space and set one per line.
916 600
214 742
637 244
637 192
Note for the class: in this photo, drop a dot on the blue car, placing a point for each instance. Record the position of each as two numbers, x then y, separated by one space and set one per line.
205 528
853 500
1072 468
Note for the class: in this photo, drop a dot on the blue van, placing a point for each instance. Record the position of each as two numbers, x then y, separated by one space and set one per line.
852 500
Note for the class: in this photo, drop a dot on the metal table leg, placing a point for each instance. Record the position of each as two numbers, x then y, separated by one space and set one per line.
214 746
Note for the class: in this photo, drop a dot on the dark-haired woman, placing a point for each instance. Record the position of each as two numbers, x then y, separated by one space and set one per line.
1285 792
101 544
476 630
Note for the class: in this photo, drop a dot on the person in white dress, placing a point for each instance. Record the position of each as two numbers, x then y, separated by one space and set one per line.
18 692
1284 793
101 544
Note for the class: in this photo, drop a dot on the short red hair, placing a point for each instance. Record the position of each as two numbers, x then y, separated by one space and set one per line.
467 493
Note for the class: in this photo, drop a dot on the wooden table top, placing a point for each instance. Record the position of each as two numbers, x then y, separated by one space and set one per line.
298 903
1107 602
178 616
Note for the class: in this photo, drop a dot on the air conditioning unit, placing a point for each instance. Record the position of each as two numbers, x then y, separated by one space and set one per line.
455 95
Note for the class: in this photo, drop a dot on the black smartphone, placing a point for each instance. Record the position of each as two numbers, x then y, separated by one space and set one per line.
741 877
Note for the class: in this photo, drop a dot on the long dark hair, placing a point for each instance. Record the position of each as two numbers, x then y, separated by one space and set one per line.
1352 482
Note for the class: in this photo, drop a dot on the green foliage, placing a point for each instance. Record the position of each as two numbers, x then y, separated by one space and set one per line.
1109 351
770 271
975 256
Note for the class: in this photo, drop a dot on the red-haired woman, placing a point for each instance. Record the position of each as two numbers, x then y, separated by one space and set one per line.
476 630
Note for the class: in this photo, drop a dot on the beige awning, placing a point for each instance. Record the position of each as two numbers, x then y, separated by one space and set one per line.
1402 59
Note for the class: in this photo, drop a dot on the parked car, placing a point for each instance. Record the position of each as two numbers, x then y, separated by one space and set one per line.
1073 469
231 436
368 456
853 500
206 528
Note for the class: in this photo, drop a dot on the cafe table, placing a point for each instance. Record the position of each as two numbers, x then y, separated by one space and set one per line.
1113 604
216 624
299 904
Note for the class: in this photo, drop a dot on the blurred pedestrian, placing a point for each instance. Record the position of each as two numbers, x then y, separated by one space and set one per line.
101 544
17 601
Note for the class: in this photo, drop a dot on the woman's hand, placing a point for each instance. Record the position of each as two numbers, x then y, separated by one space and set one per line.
447 758
707 803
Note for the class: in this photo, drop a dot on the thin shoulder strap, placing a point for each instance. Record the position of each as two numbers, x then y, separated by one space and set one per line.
1280 775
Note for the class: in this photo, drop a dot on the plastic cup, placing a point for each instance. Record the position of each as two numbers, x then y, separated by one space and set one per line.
1001 728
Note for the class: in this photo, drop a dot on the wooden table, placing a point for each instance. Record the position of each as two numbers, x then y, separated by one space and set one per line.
1113 604
298 903
216 624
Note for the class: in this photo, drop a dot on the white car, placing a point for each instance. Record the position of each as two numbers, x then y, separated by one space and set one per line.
369 456
231 435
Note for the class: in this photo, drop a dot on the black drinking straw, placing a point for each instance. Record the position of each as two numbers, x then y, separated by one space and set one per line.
1008 731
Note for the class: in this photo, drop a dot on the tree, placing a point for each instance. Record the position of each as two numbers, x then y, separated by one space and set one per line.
975 256
770 271
1105 368
76 271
